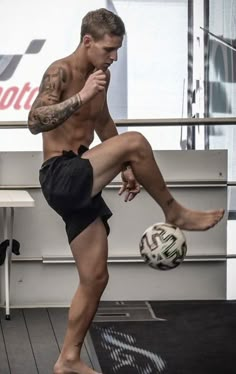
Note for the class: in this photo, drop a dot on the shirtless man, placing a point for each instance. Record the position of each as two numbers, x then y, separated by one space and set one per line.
71 105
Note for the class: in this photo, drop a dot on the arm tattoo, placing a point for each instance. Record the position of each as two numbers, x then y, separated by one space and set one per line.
49 117
47 114
53 81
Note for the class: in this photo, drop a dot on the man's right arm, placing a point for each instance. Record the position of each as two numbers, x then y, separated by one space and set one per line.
48 112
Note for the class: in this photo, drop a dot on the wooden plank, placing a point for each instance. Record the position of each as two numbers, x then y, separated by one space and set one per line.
18 348
42 339
4 365
59 317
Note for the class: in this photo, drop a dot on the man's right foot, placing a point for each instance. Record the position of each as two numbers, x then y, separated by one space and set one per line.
193 220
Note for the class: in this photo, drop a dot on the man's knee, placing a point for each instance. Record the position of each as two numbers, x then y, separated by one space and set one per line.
137 143
96 281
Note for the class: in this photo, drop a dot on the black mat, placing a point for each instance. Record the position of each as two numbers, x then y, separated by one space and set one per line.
196 338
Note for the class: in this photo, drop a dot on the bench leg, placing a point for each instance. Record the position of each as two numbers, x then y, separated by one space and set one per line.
8 234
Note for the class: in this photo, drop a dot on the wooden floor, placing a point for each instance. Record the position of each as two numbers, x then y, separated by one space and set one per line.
31 341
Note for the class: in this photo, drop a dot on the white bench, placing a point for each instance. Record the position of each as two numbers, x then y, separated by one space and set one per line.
9 200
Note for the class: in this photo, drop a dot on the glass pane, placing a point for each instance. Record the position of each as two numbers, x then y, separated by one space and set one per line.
222 58
149 79
155 58
221 98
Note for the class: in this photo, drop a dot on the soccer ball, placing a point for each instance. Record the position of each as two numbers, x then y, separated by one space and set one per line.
163 246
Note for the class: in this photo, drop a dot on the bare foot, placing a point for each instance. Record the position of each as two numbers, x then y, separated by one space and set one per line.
78 367
193 220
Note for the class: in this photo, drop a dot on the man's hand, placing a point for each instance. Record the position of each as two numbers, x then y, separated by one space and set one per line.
130 186
95 83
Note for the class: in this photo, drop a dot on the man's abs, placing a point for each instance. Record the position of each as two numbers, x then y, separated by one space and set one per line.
66 138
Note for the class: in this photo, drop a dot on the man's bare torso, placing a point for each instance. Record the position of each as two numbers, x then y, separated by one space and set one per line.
79 128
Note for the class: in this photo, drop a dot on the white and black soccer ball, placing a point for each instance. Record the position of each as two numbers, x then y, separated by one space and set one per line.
163 246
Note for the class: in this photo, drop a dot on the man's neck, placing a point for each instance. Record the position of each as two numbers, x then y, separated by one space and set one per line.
81 62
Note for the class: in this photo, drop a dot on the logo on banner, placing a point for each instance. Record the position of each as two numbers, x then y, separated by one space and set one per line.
14 96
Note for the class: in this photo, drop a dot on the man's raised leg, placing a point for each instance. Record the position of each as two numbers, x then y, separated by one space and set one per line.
132 147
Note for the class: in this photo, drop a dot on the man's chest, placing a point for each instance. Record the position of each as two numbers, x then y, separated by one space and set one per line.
91 109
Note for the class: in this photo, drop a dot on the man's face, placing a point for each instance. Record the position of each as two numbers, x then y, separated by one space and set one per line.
102 53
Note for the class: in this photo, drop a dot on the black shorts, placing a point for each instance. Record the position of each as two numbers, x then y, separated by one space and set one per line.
67 182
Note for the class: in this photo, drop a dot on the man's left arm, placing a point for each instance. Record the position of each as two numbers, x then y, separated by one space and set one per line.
105 126
105 129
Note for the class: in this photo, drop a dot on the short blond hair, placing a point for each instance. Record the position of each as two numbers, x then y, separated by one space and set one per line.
99 22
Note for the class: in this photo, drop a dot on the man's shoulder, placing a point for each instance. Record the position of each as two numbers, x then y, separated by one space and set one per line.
63 63
61 66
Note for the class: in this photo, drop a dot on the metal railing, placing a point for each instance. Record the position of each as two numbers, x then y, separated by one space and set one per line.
148 122
190 123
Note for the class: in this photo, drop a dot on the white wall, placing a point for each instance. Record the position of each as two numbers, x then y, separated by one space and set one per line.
42 235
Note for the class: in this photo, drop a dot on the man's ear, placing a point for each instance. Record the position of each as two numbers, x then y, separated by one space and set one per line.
87 40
